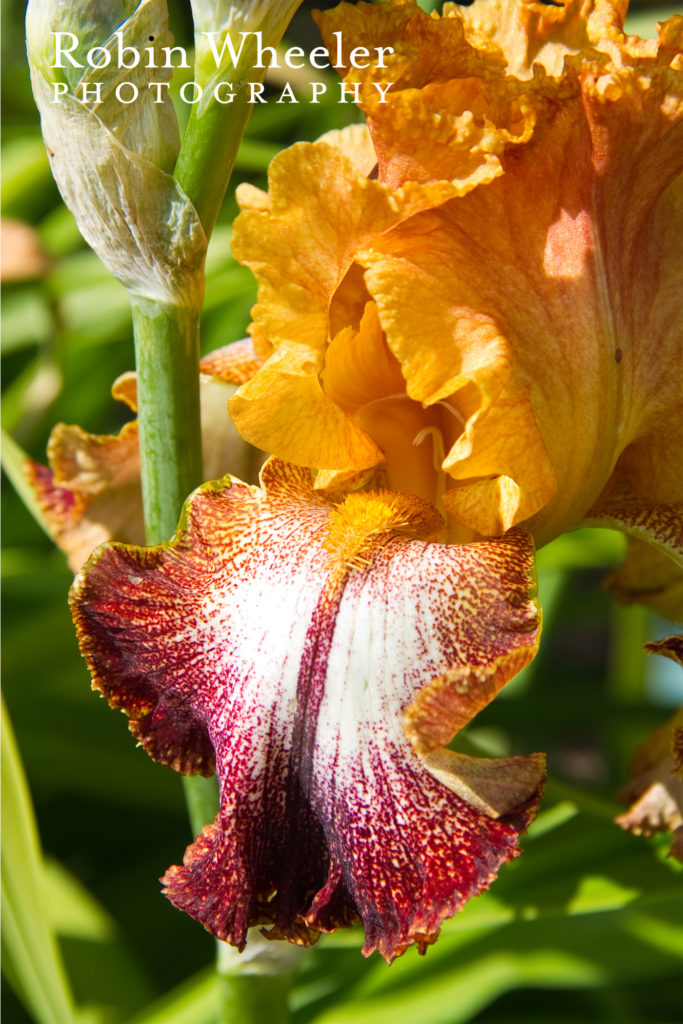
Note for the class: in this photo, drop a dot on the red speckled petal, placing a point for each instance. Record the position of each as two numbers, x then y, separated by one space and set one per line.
652 571
656 524
287 633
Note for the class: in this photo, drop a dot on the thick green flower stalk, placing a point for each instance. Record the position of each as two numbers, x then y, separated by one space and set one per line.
225 57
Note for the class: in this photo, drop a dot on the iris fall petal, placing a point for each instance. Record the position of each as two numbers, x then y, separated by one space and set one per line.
282 635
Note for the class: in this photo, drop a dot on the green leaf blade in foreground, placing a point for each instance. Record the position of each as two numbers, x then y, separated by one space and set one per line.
13 460
108 979
196 1001
31 959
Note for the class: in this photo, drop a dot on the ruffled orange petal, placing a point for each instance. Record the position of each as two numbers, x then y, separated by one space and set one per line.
282 634
355 142
321 209
528 32
563 268
540 309
437 107
423 278
235 363
303 424
493 489
319 201
302 241
359 368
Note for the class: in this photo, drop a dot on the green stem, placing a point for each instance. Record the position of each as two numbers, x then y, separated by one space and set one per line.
167 363
254 985
167 336
255 998
201 797
207 155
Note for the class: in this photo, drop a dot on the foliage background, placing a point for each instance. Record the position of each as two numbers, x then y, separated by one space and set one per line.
584 927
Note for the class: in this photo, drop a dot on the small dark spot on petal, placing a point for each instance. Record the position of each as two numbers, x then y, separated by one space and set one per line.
618 355
151 39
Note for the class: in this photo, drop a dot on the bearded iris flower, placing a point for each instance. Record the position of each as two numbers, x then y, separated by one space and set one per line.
332 638
466 339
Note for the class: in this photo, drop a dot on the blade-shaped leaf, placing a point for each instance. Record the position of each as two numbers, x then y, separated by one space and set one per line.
30 954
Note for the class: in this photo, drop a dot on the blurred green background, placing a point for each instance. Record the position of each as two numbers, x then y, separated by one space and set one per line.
586 926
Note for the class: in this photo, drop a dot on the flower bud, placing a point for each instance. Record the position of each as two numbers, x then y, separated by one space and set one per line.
112 139
226 37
